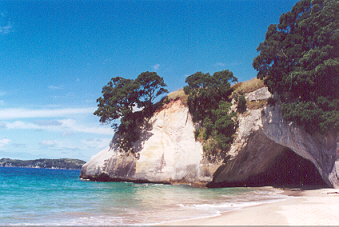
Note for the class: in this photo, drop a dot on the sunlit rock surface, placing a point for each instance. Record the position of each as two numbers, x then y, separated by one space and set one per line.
166 153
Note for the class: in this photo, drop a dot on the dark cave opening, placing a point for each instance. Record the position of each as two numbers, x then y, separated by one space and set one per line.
287 170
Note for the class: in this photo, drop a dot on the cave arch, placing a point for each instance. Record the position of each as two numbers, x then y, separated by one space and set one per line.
287 170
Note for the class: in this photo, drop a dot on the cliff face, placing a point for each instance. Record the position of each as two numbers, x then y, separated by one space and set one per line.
266 151
166 153
269 150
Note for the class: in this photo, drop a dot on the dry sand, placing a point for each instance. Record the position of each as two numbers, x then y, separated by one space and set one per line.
302 207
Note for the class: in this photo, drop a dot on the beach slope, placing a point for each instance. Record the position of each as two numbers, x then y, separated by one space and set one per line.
302 207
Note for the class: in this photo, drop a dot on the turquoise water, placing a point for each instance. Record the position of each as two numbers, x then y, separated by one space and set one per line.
59 197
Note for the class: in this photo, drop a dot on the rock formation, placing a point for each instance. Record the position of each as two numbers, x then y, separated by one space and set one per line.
263 140
166 153
266 151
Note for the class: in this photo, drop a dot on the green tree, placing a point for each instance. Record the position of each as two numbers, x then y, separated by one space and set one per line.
205 92
151 86
299 60
209 103
121 96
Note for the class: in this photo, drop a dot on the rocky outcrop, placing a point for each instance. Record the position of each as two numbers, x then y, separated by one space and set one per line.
167 153
263 139
266 151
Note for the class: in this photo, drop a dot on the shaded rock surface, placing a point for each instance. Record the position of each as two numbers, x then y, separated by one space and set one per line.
266 151
264 140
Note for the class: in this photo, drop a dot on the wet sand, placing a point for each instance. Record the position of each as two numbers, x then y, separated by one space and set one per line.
302 207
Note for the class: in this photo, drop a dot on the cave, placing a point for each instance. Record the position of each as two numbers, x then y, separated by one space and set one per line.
286 170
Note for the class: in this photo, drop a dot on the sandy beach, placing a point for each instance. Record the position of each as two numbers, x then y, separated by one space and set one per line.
302 207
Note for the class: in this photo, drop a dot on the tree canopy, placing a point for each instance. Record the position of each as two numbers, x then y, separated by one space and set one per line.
209 104
121 97
206 91
151 86
299 60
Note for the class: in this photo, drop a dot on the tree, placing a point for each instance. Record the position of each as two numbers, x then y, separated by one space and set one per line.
241 106
151 86
121 96
206 91
299 60
209 103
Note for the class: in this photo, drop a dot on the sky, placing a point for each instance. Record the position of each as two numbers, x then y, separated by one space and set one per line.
56 55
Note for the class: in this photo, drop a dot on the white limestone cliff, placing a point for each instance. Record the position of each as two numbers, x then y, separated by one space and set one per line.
168 152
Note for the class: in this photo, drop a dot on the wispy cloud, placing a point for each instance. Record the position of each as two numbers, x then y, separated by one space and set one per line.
6 29
220 64
70 145
4 142
65 126
48 143
2 102
96 143
227 64
52 87
60 145
6 26
156 67
6 114
47 122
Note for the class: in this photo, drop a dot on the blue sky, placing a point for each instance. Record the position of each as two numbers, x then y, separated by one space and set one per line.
56 55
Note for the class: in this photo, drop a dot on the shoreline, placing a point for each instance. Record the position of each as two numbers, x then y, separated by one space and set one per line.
301 207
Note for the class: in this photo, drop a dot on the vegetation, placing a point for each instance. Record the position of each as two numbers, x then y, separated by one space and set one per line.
248 86
63 163
179 94
121 98
299 60
209 103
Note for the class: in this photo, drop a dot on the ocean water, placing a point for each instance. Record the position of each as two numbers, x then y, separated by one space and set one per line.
59 197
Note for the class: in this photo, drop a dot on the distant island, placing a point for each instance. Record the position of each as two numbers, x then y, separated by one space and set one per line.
62 163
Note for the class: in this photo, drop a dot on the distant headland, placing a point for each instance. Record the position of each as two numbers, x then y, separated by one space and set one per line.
62 163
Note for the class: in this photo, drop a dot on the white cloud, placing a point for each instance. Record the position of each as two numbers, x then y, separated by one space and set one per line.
59 145
6 29
48 143
66 126
156 67
220 64
4 142
96 143
52 87
227 64
66 144
6 114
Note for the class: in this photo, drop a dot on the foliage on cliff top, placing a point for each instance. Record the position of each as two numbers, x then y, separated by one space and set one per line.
299 59
248 86
209 104
178 94
121 98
